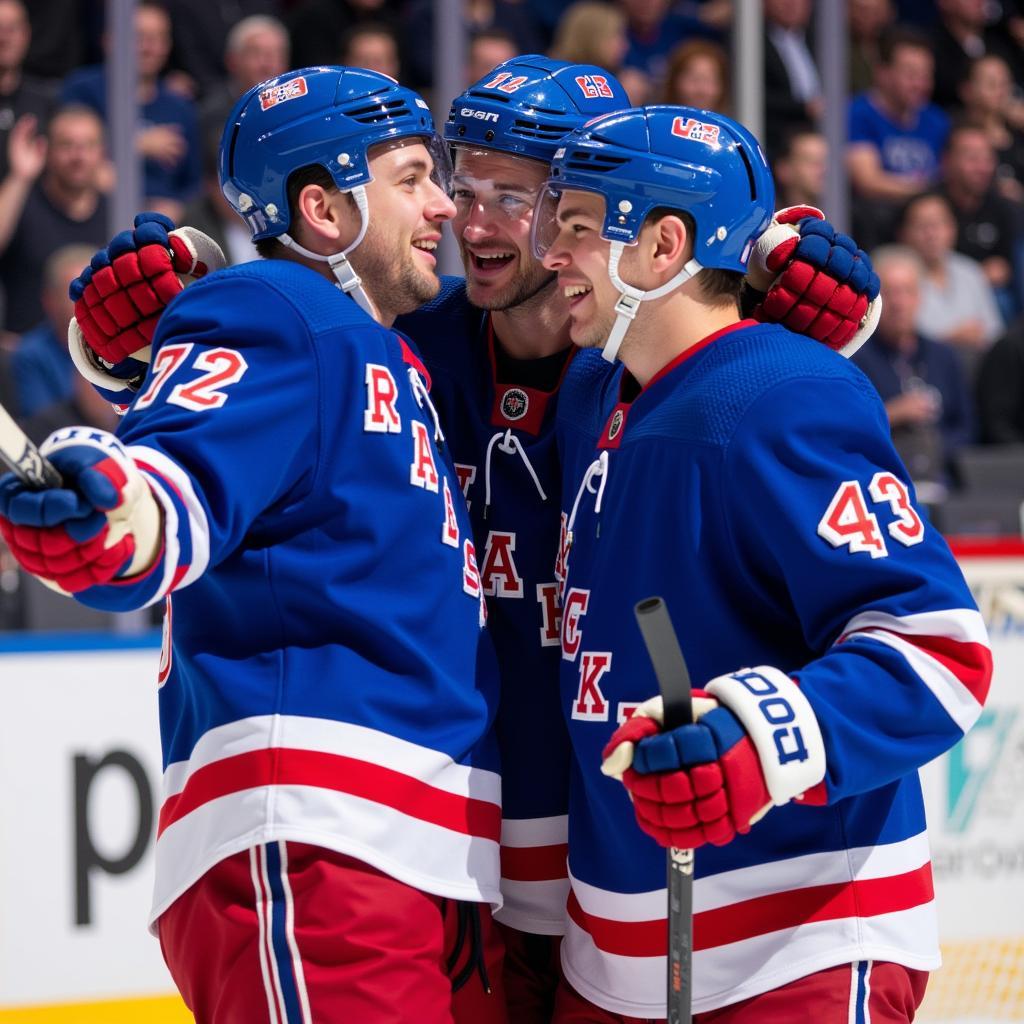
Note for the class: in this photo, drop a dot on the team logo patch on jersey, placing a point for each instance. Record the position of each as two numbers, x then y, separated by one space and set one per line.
514 404
699 131
615 425
290 90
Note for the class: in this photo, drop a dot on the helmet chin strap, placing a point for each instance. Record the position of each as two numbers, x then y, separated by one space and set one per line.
630 298
344 273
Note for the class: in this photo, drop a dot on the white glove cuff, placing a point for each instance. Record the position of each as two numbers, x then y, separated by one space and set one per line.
781 724
89 366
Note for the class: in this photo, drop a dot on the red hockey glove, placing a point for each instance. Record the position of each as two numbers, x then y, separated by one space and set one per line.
816 281
755 745
120 296
104 523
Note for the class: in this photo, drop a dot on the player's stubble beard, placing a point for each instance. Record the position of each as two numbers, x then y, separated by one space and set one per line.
529 282
397 285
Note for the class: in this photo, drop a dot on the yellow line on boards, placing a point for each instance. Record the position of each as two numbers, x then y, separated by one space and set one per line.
162 1010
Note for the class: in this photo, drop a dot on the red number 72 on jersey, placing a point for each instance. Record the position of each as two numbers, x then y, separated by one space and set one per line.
848 521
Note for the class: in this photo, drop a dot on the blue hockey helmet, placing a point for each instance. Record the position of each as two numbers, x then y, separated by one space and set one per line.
682 158
679 157
328 116
528 104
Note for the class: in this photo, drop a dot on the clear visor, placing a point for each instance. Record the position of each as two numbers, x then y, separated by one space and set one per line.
505 191
441 172
545 227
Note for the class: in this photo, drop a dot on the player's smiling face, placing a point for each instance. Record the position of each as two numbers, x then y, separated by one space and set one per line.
579 255
494 195
396 259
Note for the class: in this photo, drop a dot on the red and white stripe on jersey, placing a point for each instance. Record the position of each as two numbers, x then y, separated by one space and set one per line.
165 477
758 927
948 651
405 809
534 874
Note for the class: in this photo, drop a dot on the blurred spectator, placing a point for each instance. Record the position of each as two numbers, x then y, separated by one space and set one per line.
488 49
698 76
895 135
212 214
201 29
417 32
20 94
963 34
45 379
1000 389
868 19
371 45
65 35
800 169
792 85
317 27
987 95
957 303
988 224
48 199
593 32
256 49
921 382
654 28
169 137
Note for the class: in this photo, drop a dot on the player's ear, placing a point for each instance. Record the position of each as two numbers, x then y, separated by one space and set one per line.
327 215
669 243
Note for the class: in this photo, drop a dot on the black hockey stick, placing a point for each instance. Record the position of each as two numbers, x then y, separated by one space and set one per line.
674 682
22 457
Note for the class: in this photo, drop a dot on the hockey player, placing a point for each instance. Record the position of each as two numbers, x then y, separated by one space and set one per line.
497 347
330 816
747 478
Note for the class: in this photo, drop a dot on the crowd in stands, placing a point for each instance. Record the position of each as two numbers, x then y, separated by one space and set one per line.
935 158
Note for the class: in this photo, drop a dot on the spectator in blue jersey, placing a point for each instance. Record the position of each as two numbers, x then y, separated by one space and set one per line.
747 477
330 818
896 134
168 139
922 382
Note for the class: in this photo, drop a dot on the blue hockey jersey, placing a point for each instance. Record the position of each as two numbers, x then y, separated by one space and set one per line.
752 484
325 677
502 439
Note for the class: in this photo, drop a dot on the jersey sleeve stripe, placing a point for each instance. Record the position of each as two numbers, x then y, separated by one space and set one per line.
193 533
948 651
962 624
371 782
956 696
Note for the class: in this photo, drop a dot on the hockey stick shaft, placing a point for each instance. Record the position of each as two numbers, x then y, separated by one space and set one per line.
674 683
22 457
